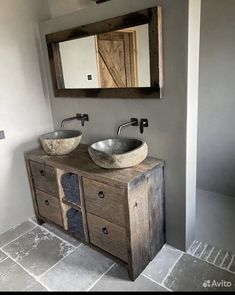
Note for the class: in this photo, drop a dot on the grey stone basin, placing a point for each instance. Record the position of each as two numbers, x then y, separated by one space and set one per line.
118 153
60 142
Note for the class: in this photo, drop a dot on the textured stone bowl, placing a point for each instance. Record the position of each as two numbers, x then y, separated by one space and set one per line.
118 153
60 143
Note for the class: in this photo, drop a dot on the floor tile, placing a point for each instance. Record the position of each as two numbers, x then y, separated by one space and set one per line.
193 247
35 287
37 250
2 256
232 266
206 252
78 271
14 233
13 277
193 274
117 279
200 249
227 260
220 258
61 234
213 255
162 263
34 219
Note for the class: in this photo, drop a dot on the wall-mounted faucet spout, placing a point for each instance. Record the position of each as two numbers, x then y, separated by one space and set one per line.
78 117
133 122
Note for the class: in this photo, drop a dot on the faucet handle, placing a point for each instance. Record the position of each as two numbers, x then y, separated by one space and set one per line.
144 123
85 117
135 122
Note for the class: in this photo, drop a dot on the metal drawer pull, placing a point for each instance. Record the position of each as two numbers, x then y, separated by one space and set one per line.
42 173
105 231
47 203
101 195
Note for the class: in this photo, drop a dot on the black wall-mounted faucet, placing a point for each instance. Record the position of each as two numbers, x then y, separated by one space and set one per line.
144 123
133 122
84 118
79 117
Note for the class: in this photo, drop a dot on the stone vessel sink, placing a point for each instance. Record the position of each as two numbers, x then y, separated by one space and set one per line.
60 142
118 153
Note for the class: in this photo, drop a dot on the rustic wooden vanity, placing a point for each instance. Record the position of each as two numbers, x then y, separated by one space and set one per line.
118 212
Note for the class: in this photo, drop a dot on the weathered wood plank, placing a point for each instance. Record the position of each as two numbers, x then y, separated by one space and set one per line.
107 236
32 188
136 93
57 63
49 207
83 209
105 26
138 239
156 210
64 207
44 178
156 48
104 201
80 162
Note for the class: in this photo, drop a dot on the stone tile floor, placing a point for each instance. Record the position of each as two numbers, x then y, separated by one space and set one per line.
218 257
42 258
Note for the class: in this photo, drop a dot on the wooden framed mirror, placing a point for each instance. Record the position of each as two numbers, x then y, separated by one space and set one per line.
115 58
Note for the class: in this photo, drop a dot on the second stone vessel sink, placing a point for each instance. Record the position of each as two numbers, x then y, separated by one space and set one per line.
60 142
118 153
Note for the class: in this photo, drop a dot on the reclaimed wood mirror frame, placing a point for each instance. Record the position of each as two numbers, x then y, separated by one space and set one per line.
150 16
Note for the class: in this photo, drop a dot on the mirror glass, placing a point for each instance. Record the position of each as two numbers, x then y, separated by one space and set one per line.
118 59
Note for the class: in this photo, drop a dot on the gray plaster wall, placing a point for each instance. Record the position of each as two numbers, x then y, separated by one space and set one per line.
215 220
61 7
216 131
24 108
166 136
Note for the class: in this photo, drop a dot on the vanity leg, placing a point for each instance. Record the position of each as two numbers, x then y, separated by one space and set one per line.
131 273
39 221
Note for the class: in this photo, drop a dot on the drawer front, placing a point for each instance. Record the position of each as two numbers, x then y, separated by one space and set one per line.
107 236
104 201
44 178
49 207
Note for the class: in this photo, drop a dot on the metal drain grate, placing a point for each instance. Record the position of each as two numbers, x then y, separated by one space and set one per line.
218 257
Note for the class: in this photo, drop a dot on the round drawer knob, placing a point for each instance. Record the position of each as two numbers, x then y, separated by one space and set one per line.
105 231
47 203
42 173
101 195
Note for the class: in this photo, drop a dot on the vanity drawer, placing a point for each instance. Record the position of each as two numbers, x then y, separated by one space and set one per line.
49 207
105 201
107 236
44 178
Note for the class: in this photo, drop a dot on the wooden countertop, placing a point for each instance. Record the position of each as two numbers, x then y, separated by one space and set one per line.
80 162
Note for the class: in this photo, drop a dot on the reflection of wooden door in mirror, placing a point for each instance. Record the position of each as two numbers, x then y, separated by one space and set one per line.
116 53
